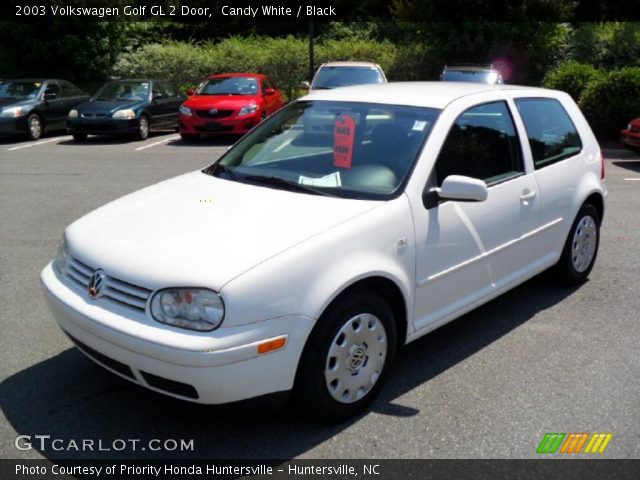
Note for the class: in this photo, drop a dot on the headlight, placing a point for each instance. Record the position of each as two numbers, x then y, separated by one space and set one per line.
124 114
185 111
248 110
13 112
73 113
62 257
192 308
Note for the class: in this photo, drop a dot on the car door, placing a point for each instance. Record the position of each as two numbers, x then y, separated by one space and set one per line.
164 106
468 251
53 106
174 100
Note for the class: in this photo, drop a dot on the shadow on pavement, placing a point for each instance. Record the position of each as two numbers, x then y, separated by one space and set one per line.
69 397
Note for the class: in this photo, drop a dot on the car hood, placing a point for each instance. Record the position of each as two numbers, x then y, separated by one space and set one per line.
198 230
12 102
107 106
221 102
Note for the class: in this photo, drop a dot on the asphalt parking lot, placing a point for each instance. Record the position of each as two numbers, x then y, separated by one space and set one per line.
489 385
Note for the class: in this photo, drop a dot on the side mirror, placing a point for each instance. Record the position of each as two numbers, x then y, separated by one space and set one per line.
189 91
456 187
304 86
270 91
50 95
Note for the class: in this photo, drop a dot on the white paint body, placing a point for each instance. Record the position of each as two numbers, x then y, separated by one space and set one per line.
278 258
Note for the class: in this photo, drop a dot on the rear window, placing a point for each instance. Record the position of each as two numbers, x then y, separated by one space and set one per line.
551 133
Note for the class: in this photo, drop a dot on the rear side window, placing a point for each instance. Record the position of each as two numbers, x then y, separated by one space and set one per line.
552 135
482 143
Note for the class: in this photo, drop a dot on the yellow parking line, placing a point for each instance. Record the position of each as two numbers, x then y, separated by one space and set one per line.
165 140
33 144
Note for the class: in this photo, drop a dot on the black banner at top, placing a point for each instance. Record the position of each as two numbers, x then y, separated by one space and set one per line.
198 11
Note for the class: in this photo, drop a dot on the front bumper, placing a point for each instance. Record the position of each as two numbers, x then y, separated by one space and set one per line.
234 125
104 126
13 125
630 138
208 367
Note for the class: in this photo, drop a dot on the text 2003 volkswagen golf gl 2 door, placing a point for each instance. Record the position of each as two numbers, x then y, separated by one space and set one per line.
351 222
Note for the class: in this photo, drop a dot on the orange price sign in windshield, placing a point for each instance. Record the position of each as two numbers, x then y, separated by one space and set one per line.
343 138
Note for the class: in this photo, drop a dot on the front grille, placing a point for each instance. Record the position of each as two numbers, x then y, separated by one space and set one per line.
171 386
93 115
103 359
218 114
116 290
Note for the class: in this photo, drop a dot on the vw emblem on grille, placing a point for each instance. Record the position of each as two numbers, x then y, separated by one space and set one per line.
213 111
96 284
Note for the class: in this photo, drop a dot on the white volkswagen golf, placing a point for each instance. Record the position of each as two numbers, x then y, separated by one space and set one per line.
348 224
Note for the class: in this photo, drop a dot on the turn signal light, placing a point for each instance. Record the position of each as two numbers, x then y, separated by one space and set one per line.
272 345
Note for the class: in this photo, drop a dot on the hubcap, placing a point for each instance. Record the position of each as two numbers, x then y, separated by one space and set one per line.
34 127
583 247
144 127
356 358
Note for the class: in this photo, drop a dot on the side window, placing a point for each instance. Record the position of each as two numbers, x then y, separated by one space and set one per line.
52 87
68 89
552 135
482 143
168 90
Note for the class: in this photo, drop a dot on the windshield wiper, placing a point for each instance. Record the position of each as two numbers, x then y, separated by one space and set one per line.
289 184
218 168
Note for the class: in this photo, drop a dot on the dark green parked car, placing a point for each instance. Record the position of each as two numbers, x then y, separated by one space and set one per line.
127 107
32 105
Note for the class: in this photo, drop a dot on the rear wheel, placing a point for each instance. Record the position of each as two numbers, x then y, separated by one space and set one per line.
347 357
34 127
581 247
143 128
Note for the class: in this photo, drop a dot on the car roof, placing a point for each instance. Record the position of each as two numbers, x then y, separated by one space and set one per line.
470 68
419 94
349 64
137 80
39 80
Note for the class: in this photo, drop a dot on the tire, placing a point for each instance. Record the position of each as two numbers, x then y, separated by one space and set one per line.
189 137
581 247
333 388
80 137
35 128
144 126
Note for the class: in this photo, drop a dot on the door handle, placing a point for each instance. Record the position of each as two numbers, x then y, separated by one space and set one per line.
526 196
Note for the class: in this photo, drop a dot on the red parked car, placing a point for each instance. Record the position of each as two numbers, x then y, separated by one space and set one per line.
228 103
631 135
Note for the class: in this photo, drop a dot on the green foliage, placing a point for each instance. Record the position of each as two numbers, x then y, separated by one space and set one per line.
571 77
610 102
606 45
285 60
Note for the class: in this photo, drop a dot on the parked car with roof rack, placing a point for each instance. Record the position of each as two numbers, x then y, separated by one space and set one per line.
33 106
471 73
127 107
228 103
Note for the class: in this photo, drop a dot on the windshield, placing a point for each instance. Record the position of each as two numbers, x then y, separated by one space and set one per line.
347 149
123 91
229 86
479 76
20 90
333 77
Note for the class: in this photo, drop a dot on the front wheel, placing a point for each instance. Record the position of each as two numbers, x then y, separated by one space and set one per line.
347 358
143 128
581 247
34 127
